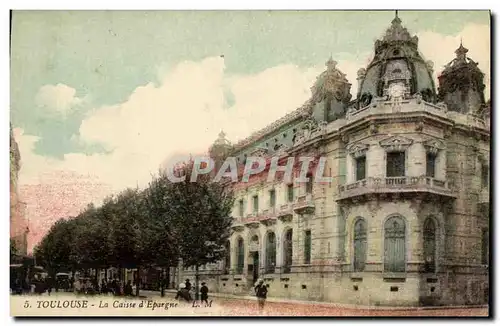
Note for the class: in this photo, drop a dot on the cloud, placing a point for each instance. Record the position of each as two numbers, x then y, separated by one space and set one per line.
59 98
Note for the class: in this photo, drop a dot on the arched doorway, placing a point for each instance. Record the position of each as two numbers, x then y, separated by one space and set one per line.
254 259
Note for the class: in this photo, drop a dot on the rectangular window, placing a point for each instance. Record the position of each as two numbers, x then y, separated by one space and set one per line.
484 175
307 247
255 204
272 198
290 193
484 246
431 165
361 168
241 208
395 164
309 184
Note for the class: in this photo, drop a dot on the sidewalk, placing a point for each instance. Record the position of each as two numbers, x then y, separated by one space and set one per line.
171 293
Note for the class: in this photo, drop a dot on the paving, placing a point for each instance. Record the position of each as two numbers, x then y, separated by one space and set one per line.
247 306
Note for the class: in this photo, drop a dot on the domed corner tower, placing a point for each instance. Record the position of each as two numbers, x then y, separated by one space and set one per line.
220 150
397 66
461 85
331 94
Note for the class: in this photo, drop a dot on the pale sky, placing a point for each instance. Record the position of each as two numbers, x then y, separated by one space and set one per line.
99 100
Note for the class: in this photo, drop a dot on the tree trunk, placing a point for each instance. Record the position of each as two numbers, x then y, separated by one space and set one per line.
162 282
197 286
106 274
138 281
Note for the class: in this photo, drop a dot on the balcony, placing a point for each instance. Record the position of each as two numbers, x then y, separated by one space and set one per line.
304 204
237 224
285 212
395 185
252 220
267 216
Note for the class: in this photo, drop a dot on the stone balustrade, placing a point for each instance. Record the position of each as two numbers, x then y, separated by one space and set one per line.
395 185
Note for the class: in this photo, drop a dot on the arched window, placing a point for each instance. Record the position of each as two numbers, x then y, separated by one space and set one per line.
270 252
241 257
287 251
430 245
359 245
227 262
394 245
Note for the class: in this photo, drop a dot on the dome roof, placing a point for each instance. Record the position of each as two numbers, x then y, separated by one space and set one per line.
461 60
396 59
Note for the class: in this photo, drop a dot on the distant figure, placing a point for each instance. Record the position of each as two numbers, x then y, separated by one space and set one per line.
188 285
128 288
49 284
104 287
261 292
113 286
183 293
204 293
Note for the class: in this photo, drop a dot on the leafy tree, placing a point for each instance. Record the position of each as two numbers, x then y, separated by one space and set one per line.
56 250
91 247
201 216
159 243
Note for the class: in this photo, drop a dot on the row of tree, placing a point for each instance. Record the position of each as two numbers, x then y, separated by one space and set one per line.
144 228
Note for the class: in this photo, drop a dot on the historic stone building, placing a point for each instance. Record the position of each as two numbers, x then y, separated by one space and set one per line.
405 220
18 224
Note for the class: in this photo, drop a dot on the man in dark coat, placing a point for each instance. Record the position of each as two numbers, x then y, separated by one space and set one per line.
204 293
261 293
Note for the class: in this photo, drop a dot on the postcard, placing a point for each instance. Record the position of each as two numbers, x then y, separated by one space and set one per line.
250 163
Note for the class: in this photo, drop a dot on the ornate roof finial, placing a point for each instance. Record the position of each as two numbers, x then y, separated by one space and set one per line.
331 64
461 52
396 19
222 134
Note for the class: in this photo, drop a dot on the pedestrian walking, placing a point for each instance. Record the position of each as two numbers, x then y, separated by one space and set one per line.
128 288
204 293
261 293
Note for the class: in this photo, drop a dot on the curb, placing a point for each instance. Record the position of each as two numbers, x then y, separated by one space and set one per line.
332 304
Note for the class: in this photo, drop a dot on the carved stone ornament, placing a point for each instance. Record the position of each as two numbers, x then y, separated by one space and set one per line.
396 143
433 146
420 126
344 138
374 206
345 210
418 98
373 128
358 150
447 132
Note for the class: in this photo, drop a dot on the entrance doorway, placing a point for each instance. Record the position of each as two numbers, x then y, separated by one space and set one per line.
255 255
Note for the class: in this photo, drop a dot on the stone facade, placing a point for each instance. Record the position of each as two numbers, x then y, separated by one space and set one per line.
411 174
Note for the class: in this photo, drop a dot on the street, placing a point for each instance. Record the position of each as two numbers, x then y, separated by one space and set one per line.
248 307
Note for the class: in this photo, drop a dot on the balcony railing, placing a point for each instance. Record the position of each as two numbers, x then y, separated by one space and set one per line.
395 185
285 211
304 203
